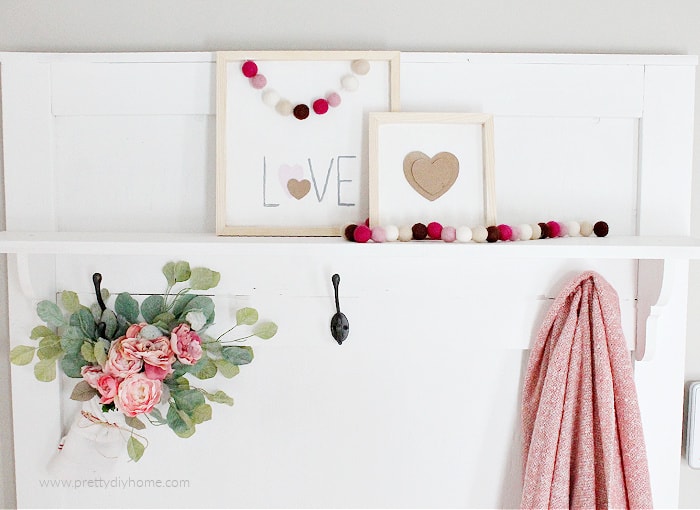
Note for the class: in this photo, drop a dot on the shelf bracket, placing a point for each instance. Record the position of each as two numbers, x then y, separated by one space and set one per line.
655 283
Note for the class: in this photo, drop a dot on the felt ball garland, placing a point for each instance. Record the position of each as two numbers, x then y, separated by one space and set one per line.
362 233
301 111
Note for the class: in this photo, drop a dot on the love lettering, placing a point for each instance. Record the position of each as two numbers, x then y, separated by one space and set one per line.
297 182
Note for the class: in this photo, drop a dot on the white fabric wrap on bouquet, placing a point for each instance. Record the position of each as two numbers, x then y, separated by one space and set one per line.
94 443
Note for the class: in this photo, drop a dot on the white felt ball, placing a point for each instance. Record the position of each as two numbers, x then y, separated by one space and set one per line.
392 232
405 233
536 231
350 83
479 234
284 107
525 232
270 97
574 228
360 67
586 228
464 234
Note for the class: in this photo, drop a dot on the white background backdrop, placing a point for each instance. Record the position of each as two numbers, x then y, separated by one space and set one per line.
595 26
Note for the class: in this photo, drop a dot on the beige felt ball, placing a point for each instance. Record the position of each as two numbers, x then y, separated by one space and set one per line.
536 231
405 233
525 232
479 234
586 228
360 67
464 234
284 107
392 232
574 228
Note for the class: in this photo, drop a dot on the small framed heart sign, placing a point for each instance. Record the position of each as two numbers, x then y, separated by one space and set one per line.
431 167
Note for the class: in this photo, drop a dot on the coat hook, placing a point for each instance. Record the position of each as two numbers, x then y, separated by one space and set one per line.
340 327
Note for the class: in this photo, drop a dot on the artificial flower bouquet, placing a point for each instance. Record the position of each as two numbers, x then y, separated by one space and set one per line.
136 358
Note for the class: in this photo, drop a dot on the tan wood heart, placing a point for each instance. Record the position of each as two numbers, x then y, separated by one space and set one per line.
431 177
297 188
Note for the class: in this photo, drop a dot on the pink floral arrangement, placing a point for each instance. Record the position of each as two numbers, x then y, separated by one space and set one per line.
134 358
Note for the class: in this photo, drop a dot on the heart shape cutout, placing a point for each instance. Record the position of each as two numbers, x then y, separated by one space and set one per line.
431 177
299 189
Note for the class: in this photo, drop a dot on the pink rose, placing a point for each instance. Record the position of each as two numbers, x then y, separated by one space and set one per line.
186 344
91 374
156 352
137 394
107 386
121 361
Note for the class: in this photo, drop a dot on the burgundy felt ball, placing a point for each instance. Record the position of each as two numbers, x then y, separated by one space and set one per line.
600 229
320 106
362 234
492 234
301 111
545 230
505 233
420 231
434 230
249 68
554 228
349 232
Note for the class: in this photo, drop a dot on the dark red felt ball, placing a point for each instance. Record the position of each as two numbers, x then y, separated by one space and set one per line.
600 229
301 111
545 230
349 232
492 234
420 231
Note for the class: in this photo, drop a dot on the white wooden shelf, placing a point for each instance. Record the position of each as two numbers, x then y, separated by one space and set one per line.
628 247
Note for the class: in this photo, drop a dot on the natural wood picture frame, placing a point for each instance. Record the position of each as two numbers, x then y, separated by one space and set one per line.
392 164
254 141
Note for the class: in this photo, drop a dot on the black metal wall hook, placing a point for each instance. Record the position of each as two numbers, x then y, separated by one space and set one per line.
340 327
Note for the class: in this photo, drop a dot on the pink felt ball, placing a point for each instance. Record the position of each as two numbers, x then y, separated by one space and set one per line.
554 229
504 232
378 234
448 234
320 106
249 68
362 234
434 230
258 81
333 99
515 236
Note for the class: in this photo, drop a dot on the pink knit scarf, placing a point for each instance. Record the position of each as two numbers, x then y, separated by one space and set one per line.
583 445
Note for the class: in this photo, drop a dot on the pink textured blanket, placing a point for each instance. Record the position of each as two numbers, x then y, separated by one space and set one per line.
583 445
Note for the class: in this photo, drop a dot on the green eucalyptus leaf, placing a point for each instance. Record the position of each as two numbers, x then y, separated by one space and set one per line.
87 350
71 365
164 321
127 307
134 422
84 320
100 351
179 370
71 345
157 416
169 273
105 294
50 350
151 307
226 368
180 422
82 392
50 313
265 330
22 355
247 316
96 312
150 332
182 271
50 341
45 370
187 400
219 397
201 414
202 303
111 323
212 347
135 449
204 369
40 332
237 355
181 302
70 301
204 279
